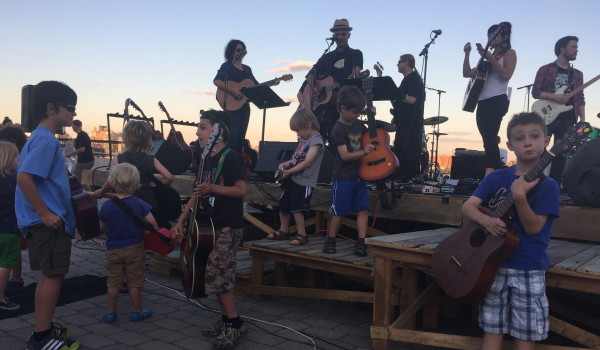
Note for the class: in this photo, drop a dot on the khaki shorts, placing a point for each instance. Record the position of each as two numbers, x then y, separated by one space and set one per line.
129 261
49 250
220 268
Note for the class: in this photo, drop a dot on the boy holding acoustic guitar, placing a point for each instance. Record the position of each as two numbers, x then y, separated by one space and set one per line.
517 302
220 189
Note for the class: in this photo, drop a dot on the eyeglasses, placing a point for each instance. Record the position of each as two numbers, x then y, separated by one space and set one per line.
401 61
240 50
69 108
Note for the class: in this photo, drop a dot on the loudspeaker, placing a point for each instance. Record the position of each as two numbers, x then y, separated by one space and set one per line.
468 166
581 176
274 153
28 121
170 156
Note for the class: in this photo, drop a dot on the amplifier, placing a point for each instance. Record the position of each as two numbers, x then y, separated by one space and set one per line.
468 166
468 152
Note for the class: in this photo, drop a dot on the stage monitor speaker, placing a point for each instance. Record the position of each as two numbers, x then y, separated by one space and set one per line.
170 156
468 166
274 153
581 176
28 121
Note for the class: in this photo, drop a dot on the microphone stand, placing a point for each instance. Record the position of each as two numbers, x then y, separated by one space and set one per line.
313 72
436 171
528 87
425 52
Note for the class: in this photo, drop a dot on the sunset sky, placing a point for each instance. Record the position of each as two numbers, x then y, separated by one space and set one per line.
169 51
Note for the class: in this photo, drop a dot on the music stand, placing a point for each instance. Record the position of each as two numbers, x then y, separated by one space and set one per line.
263 97
355 82
384 89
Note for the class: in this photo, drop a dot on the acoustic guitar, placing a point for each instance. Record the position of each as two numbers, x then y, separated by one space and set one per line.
476 84
322 92
228 102
549 109
465 263
175 137
86 212
199 239
381 162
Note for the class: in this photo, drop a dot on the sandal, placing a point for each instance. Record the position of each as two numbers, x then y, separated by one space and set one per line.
329 247
278 236
135 316
299 240
109 317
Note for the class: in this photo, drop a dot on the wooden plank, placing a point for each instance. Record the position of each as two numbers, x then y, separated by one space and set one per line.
399 237
572 263
344 295
254 221
591 267
562 250
409 313
577 223
576 334
420 241
370 230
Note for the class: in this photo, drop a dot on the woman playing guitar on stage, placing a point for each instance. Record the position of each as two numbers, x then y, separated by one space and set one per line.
489 87
222 181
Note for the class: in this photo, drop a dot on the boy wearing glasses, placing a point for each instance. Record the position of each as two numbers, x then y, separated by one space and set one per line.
44 209
348 191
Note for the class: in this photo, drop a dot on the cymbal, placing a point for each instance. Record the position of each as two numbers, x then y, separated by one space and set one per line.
435 120
437 133
389 127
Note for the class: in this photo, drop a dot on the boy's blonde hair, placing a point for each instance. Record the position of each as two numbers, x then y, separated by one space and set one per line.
124 178
137 136
8 153
303 118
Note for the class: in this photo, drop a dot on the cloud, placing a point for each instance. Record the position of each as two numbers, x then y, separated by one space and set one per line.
198 92
280 62
293 67
290 98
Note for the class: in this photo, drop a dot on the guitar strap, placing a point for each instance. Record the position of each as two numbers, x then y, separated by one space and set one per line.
140 221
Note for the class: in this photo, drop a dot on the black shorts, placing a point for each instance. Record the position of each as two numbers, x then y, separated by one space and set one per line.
295 197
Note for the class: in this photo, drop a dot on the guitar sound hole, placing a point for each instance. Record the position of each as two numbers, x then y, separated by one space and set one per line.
477 238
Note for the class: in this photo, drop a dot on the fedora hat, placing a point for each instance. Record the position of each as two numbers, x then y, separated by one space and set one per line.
341 24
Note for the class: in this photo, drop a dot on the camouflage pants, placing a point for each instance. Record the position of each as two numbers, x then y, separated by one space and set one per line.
220 268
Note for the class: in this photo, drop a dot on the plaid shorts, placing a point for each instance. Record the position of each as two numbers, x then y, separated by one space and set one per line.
220 268
516 304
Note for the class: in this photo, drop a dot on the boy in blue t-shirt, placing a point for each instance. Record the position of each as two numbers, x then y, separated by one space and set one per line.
44 209
517 302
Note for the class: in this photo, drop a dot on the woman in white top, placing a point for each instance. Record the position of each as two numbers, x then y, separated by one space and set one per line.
493 100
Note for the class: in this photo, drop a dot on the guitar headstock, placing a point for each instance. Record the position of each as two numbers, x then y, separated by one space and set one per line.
136 107
577 133
212 140
286 77
378 69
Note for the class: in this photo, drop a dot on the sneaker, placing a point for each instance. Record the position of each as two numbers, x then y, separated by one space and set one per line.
214 329
14 284
57 340
360 249
230 336
8 305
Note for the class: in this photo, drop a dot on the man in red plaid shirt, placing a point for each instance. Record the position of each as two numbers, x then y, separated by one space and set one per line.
550 78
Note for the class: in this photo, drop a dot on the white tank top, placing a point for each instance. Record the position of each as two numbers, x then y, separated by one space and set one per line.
494 85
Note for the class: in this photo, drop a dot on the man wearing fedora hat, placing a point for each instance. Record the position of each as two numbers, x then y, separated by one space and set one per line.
340 64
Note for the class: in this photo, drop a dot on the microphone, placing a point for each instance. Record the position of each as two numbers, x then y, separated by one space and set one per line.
437 32
333 38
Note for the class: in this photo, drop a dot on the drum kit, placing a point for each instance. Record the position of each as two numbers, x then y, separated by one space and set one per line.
433 171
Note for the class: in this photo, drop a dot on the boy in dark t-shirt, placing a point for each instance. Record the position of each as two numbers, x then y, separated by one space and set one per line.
349 192
222 181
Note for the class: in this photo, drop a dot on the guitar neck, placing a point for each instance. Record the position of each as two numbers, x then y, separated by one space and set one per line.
577 90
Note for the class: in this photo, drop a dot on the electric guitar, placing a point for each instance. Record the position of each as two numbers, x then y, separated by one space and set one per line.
549 109
381 162
322 92
175 137
465 263
228 102
476 84
199 239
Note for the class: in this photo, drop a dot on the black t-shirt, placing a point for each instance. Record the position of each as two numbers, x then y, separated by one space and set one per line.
339 65
228 72
412 85
83 140
349 135
564 77
227 211
143 162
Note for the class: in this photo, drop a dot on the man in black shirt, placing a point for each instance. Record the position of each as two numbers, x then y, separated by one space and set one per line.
83 150
408 118
340 64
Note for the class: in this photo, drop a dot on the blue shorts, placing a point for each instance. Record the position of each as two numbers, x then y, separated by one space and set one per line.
516 304
349 197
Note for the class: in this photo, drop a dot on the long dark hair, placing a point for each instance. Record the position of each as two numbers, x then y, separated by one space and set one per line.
230 48
505 32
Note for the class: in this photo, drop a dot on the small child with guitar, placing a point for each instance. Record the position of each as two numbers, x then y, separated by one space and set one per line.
222 181
44 209
125 251
302 172
517 302
348 192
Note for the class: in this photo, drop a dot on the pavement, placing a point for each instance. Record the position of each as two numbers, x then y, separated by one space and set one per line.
275 322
